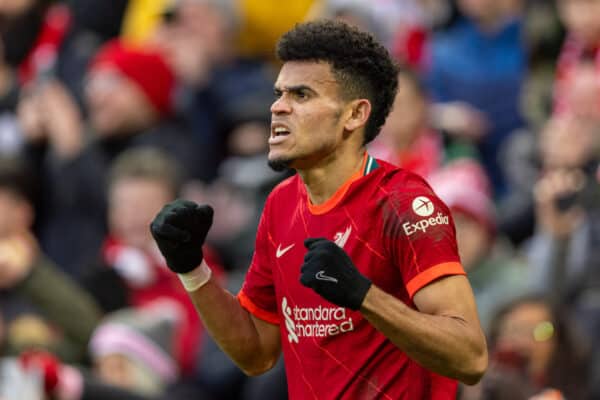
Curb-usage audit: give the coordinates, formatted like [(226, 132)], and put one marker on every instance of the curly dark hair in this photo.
[(361, 65)]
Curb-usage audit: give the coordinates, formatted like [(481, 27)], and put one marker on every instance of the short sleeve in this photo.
[(419, 234), (258, 292)]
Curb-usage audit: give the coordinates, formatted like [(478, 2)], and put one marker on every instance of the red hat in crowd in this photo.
[(145, 66), (465, 188)]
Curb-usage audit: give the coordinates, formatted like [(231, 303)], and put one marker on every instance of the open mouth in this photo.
[(280, 131)]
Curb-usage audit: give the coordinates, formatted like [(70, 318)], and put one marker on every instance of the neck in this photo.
[(495, 21), (323, 180)]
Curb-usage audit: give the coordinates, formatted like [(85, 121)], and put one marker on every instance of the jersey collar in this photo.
[(369, 164)]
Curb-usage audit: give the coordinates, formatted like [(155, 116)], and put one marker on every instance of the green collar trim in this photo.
[(370, 165)]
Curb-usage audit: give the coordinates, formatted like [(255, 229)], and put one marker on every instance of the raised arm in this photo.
[(253, 344), (180, 230)]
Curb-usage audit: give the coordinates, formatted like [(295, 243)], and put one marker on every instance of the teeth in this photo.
[(280, 130)]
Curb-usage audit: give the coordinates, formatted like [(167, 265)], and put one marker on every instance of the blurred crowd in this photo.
[(108, 113)]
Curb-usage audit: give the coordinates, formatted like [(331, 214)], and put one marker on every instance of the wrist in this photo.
[(196, 278)]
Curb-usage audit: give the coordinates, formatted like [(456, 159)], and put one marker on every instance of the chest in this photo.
[(357, 230)]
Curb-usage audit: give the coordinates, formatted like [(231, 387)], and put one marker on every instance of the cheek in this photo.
[(541, 353), (320, 129), (8, 219), (114, 370), (129, 218), (119, 222), (106, 116)]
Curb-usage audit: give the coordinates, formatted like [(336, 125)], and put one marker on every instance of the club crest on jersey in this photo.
[(422, 206), (340, 238)]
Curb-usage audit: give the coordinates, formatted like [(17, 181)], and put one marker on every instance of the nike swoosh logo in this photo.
[(281, 251), (322, 277)]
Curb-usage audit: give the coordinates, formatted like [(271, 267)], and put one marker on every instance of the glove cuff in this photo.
[(359, 295), (196, 278)]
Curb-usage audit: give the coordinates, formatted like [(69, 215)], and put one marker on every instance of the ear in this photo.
[(359, 112)]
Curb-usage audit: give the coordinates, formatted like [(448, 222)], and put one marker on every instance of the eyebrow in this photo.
[(294, 88)]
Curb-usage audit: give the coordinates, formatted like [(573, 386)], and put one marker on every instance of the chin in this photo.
[(280, 164)]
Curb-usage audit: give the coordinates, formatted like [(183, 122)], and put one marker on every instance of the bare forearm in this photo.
[(447, 345), (234, 329)]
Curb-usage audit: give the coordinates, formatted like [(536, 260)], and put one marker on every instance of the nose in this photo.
[(281, 106)]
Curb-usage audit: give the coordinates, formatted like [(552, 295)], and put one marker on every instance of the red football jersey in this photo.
[(399, 234)]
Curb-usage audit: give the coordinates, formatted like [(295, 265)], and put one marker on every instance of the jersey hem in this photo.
[(431, 274), (256, 310)]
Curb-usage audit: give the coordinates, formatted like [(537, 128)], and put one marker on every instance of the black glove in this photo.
[(329, 271), (180, 229)]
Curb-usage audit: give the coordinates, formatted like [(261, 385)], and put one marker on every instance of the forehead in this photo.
[(315, 74), (528, 312)]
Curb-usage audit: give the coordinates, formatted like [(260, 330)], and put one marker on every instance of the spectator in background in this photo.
[(564, 141), (132, 358), (133, 349), (407, 139), (45, 39), (129, 103), (544, 35), (197, 38), (403, 26), (476, 73), (563, 252), (494, 273), (92, 25), (582, 45), (535, 350), (32, 33), (42, 306), (26, 27), (582, 97), (417, 20), (140, 181)]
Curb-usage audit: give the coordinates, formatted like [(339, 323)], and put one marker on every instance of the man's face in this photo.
[(116, 105), (582, 18), (566, 143), (117, 370), (12, 8), (528, 330), (306, 117), (15, 214), (478, 9), (133, 203)]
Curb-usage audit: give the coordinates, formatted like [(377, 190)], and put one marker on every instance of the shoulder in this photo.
[(289, 184), (452, 35), (406, 196), (397, 181), (288, 189)]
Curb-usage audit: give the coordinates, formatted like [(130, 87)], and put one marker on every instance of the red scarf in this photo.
[(45, 50), (149, 280), (571, 55)]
